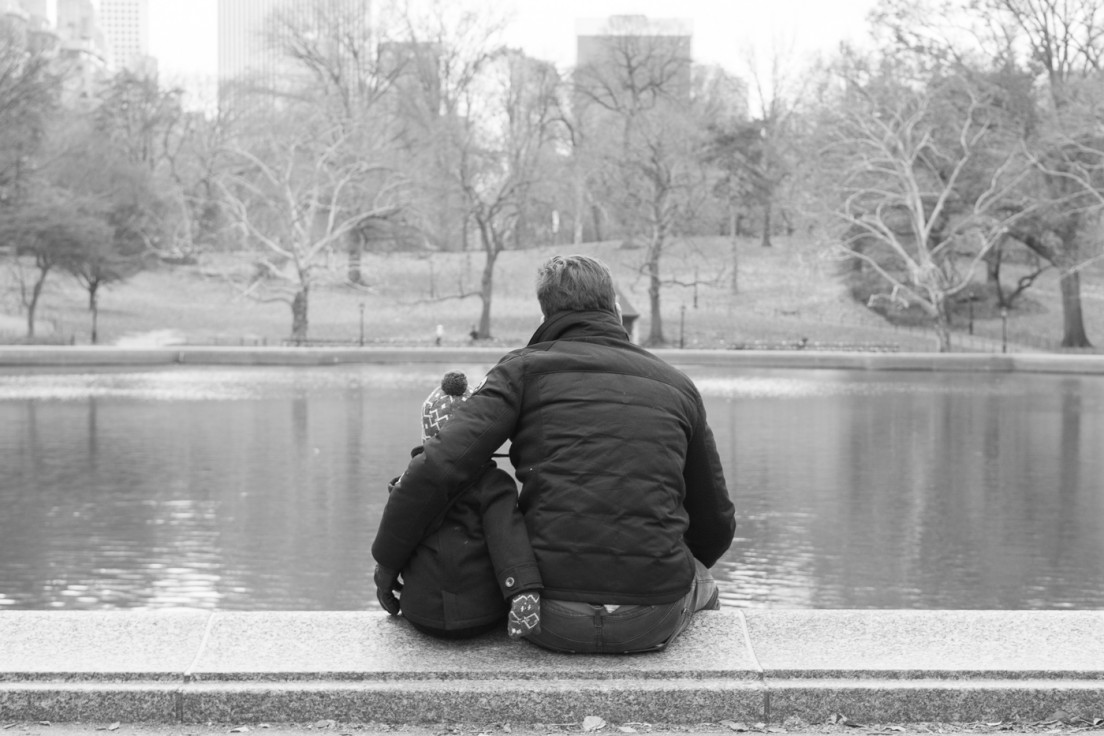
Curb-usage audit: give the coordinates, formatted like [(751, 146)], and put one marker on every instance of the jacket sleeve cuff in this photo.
[(519, 579)]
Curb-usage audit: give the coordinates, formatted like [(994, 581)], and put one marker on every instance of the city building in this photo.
[(249, 57), (14, 17), (77, 25), (28, 13), (621, 52), (83, 51), (628, 68), (27, 27), (125, 25), (241, 45), (412, 71)]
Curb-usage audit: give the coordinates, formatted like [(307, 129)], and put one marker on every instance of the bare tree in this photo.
[(53, 231), (724, 99), (766, 142), (637, 102), (197, 153), (445, 61), (116, 188), (29, 91), (297, 201), (1066, 40), (338, 62), (481, 131), (1061, 44), (503, 160), (925, 183), (140, 117), (335, 47)]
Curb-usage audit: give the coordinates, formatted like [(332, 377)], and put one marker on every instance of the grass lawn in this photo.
[(786, 294)]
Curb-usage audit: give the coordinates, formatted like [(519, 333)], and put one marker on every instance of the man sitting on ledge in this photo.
[(622, 489)]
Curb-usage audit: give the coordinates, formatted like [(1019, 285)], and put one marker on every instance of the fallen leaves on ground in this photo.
[(593, 723)]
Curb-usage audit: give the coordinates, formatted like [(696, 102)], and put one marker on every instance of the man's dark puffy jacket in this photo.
[(622, 485)]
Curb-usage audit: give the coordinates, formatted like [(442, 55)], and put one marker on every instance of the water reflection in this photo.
[(261, 488), (917, 492)]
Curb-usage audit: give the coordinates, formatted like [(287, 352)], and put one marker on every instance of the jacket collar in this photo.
[(573, 325)]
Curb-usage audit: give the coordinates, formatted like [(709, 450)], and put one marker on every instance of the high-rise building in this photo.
[(76, 24), (36, 9), (632, 73), (125, 25), (412, 69), (13, 24), (82, 52), (40, 37), (249, 53), (627, 51), (241, 44)]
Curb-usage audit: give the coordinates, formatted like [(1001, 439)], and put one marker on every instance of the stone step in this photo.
[(750, 666)]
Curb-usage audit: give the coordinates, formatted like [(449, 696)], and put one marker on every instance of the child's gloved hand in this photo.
[(387, 584), (524, 616)]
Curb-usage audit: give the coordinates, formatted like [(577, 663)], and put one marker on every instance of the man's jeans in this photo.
[(567, 626)]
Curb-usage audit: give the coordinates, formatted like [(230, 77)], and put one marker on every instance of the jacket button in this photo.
[(509, 582)]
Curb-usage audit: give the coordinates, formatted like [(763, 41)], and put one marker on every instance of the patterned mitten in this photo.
[(524, 615)]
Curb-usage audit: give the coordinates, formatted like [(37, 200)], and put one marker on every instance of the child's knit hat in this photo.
[(440, 404)]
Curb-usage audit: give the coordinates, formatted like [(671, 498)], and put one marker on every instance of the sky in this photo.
[(182, 32)]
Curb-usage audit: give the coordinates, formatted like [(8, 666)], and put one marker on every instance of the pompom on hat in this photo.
[(444, 399)]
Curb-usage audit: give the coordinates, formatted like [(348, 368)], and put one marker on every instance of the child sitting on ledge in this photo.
[(475, 566)]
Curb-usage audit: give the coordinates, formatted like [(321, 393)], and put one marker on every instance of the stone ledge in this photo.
[(920, 700), (756, 665), (47, 356), (474, 701)]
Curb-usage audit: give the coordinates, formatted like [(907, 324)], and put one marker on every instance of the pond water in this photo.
[(261, 488)]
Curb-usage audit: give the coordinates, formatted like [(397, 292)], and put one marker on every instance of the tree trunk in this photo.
[(32, 306), (580, 208), (492, 246), (1072, 321), (943, 333), (31, 317), (941, 319), (735, 253), (299, 316), (486, 294), (596, 214), (1069, 283), (94, 307), (993, 266), (655, 248), (768, 206)]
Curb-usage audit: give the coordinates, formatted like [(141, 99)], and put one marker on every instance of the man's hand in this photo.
[(387, 584)]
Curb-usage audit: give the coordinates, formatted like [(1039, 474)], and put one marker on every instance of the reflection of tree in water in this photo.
[(961, 492), (24, 515), (301, 538), (82, 533), (1067, 501), (967, 491)]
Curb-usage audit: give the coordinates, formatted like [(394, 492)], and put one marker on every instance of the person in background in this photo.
[(473, 567), (622, 489)]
